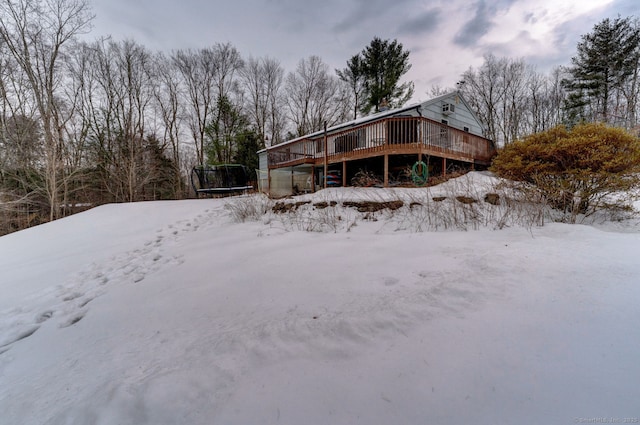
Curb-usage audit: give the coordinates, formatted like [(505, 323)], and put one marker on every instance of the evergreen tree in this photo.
[(381, 65), (161, 179), (222, 132), (606, 59), (248, 144)]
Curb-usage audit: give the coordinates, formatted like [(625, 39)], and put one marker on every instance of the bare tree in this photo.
[(36, 32), (262, 81), (512, 99), (482, 90), (545, 101), (82, 66), (228, 98), (514, 79), (126, 94), (170, 106), (276, 123), (116, 93), (315, 97), (227, 62), (197, 70), (133, 77), (354, 76), (207, 74), (20, 135), (437, 91)]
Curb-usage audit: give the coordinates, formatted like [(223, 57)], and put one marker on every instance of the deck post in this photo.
[(444, 166), (386, 170), (344, 173), (325, 156), (313, 179)]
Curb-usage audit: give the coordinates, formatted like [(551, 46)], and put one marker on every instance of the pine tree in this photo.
[(223, 130), (248, 144), (381, 65), (606, 58)]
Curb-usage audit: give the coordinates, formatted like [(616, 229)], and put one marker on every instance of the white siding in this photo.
[(461, 118), (262, 160), (263, 172)]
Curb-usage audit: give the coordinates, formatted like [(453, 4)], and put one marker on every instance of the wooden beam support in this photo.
[(386, 170), (326, 156), (344, 173)]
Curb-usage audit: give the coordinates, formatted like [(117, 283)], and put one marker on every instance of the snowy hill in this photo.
[(173, 313)]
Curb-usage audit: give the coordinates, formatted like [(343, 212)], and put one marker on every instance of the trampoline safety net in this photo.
[(220, 179)]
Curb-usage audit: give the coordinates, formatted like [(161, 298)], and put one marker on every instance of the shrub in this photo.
[(247, 208), (575, 170)]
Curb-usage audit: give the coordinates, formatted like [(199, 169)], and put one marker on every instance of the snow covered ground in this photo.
[(173, 313)]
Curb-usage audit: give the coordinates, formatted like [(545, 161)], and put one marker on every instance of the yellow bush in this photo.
[(574, 169)]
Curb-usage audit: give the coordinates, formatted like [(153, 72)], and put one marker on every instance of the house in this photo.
[(440, 134)]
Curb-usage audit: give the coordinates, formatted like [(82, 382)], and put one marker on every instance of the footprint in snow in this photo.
[(390, 281), (18, 336), (73, 319), (72, 296), (85, 302), (44, 316)]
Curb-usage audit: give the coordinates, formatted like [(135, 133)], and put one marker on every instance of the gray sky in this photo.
[(445, 37)]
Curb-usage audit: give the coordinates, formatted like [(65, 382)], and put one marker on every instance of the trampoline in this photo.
[(223, 179)]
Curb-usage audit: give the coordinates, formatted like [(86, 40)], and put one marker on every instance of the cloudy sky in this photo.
[(445, 37)]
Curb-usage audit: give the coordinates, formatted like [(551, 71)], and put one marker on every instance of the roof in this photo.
[(377, 116)]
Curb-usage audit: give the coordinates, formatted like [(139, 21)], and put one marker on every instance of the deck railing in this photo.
[(391, 135)]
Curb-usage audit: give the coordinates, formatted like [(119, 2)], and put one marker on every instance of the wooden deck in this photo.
[(391, 136)]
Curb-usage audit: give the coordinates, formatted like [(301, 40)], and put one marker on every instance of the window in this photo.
[(448, 108)]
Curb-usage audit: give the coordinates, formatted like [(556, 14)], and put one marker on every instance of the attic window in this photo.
[(445, 122), (466, 129), (448, 108)]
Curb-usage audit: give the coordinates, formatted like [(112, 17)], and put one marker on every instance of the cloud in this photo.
[(372, 13), (422, 24), (626, 8), (476, 27), (445, 37), (522, 45)]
